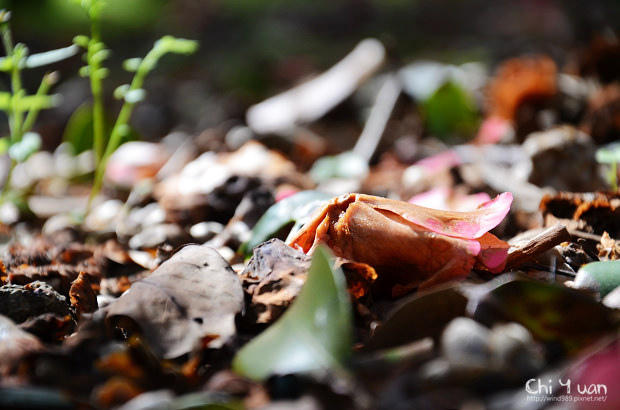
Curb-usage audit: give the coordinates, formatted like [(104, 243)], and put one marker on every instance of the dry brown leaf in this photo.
[(192, 295)]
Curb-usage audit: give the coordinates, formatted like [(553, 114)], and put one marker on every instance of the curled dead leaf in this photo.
[(409, 245), (82, 295)]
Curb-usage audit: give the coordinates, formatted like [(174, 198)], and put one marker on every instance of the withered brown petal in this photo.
[(401, 251)]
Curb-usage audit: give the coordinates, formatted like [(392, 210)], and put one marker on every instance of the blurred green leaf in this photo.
[(345, 165), (120, 91), (6, 64), (4, 145), (27, 102), (605, 275), (608, 154), (314, 334), (29, 144), (295, 208), (135, 96), (554, 314), (132, 64), (79, 128), (81, 40), (450, 112), (52, 56)]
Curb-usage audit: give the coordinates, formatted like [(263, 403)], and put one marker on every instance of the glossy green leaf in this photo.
[(295, 208), (601, 276), (314, 334)]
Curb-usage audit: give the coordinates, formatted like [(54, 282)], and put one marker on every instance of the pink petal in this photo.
[(439, 162), (492, 130), (467, 225), (446, 199), (493, 253)]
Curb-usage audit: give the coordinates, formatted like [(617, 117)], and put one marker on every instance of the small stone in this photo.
[(514, 349), (563, 159), (134, 161), (465, 342), (204, 231), (139, 218), (103, 217), (157, 235)]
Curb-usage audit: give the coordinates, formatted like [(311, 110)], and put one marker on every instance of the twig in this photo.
[(378, 118), (585, 235), (540, 243)]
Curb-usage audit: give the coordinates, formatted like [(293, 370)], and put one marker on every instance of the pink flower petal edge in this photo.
[(467, 225)]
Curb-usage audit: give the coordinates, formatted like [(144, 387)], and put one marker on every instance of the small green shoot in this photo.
[(130, 94), (610, 154), (22, 109), (315, 333)]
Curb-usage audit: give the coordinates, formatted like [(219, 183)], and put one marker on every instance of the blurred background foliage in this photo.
[(251, 49)]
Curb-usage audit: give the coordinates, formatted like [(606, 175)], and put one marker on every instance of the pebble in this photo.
[(156, 235), (103, 217)]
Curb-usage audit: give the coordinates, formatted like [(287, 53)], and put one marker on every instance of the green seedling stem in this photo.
[(15, 114), (167, 44)]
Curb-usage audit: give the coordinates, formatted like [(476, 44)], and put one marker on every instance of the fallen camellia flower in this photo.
[(409, 245)]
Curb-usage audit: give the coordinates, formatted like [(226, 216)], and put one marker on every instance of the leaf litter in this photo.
[(399, 293)]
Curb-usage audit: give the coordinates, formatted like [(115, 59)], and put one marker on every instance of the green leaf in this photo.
[(135, 96), (601, 276), (5, 16), (170, 44), (81, 41), (50, 57), (84, 71), (132, 64), (314, 334), (100, 55), (120, 91), (345, 165), (35, 102), (4, 145), (5, 101), (30, 143), (450, 111), (608, 154), (564, 317), (79, 129), (295, 208), (6, 64)]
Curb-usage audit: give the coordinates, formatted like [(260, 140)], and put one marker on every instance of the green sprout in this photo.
[(130, 94), (610, 154), (22, 109)]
